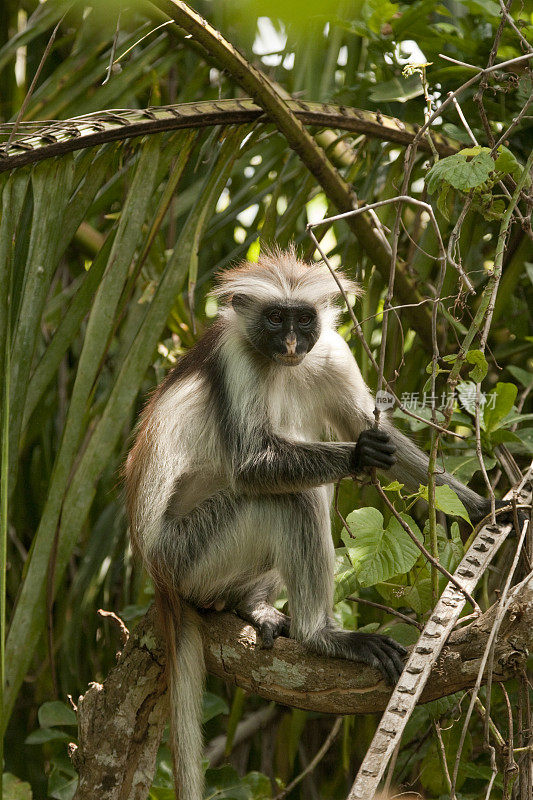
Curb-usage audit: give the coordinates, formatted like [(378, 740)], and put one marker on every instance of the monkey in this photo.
[(228, 481)]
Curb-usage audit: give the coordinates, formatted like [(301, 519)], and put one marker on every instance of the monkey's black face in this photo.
[(285, 333)]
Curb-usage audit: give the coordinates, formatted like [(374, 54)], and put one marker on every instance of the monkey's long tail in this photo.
[(185, 675)]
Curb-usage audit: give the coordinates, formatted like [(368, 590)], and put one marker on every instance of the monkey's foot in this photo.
[(270, 622), (377, 651)]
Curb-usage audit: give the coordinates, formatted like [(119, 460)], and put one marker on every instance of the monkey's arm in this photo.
[(353, 412), (279, 465)]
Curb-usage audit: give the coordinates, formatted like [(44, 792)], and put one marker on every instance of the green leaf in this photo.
[(54, 713), (465, 170), (522, 375), (446, 500), (463, 467), (398, 89), (62, 785), (501, 435), (444, 705), (393, 486), (417, 596), (499, 403), (477, 357), (451, 550), (378, 553), (212, 706), (30, 609), (225, 784), (42, 735), (443, 203), (259, 785), (506, 162), (345, 585), (15, 789)]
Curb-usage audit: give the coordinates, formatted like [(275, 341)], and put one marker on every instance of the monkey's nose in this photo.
[(290, 343)]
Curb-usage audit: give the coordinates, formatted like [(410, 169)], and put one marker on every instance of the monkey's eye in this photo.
[(275, 318), (305, 319)]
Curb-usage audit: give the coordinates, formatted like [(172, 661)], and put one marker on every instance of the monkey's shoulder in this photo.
[(197, 359)]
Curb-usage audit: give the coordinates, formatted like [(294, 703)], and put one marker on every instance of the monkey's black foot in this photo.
[(377, 651), (270, 622)]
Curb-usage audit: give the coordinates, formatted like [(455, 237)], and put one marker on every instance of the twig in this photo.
[(124, 632), (387, 610), (113, 50), (510, 21), (510, 773), (442, 755), (368, 351), (319, 755), (30, 91)]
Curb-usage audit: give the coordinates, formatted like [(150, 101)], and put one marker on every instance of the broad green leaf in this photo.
[(465, 170), (345, 585), (501, 435), (463, 467), (417, 596), (446, 500), (444, 705), (526, 439), (507, 162), (54, 713), (431, 773), (450, 550), (42, 735), (499, 403), (378, 553), (212, 706)]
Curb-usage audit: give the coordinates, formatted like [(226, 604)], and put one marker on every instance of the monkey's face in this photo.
[(285, 333)]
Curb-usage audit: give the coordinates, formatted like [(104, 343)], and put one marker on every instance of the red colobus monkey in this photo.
[(228, 481)]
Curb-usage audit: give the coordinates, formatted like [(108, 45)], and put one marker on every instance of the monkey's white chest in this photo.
[(294, 406)]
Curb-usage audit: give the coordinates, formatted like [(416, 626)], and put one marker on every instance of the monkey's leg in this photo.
[(256, 607), (305, 558)]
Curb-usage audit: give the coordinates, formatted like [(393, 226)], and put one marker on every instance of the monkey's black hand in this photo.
[(377, 651), (373, 449)]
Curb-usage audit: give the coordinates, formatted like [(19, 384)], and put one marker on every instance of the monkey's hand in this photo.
[(377, 651), (374, 448)]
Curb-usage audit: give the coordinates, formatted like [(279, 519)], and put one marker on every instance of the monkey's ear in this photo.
[(241, 302)]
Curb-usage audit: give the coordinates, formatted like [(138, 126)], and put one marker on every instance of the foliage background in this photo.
[(128, 237)]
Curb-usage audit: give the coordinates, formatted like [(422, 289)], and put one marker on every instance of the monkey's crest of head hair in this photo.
[(281, 275)]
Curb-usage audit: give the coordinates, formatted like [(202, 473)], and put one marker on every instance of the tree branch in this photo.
[(121, 720)]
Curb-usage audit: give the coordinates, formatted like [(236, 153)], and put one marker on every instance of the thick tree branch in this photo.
[(121, 721)]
